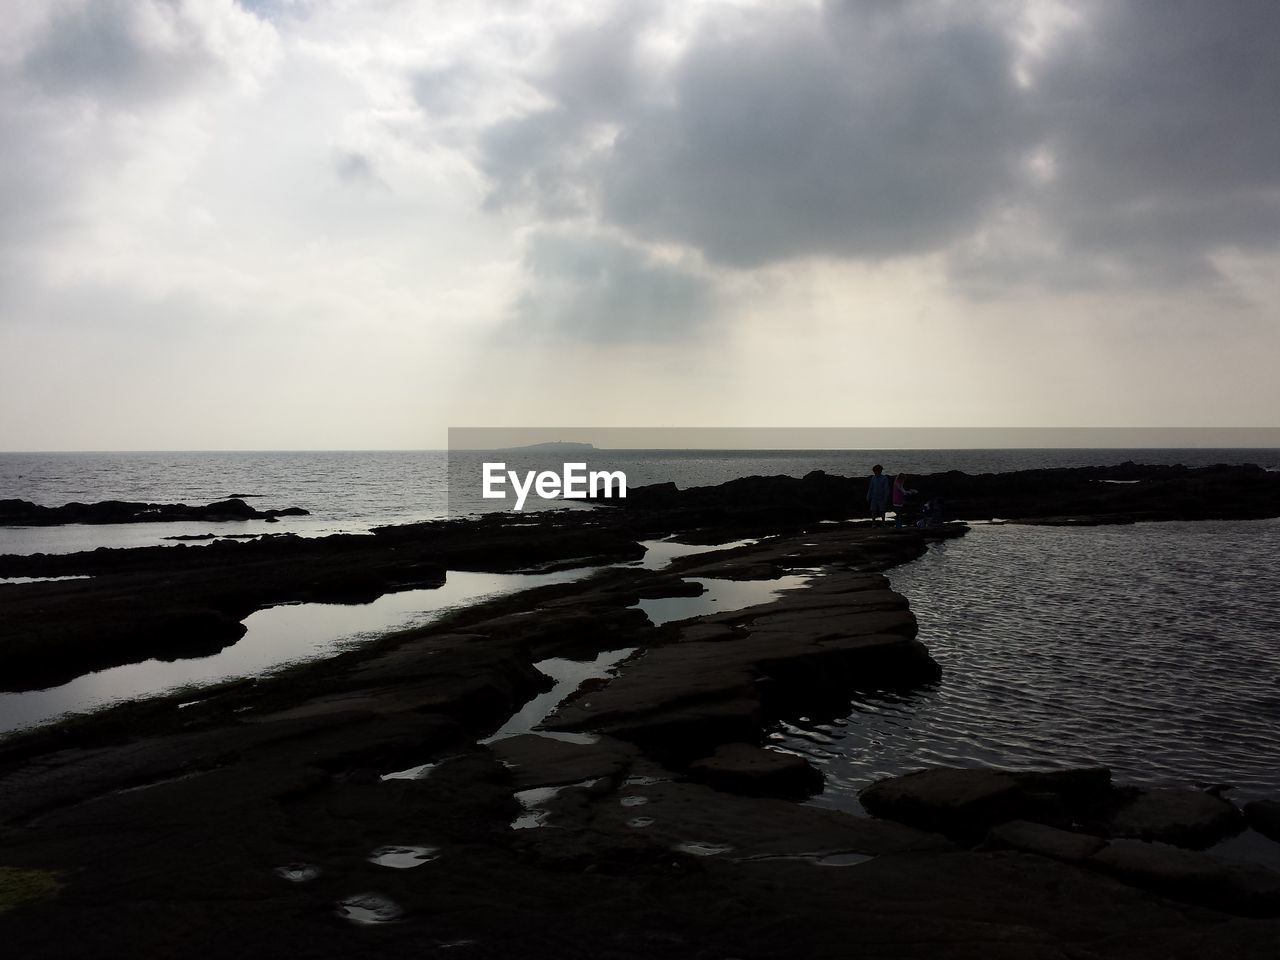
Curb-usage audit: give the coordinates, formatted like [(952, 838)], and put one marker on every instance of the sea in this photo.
[(1153, 648)]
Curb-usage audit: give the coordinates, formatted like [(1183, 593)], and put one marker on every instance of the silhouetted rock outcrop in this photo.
[(966, 803), (1076, 496), (24, 513), (745, 768), (1264, 816)]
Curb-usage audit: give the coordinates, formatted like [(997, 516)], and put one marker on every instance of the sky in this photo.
[(314, 224)]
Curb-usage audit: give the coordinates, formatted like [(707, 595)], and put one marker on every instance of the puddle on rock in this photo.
[(842, 859), (297, 872), (718, 596), (839, 859), (659, 553), (700, 849), (275, 637), (530, 820), (585, 739), (83, 576), (568, 676), (403, 857), (369, 908), (420, 772), (533, 799), (639, 823), (633, 800)]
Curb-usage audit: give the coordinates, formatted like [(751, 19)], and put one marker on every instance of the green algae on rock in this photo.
[(19, 886)]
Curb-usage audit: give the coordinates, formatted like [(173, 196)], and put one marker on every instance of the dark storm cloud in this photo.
[(1160, 119), (550, 159), (586, 287), (543, 160), (597, 71), (869, 130), (802, 139), (1167, 98), (782, 135)]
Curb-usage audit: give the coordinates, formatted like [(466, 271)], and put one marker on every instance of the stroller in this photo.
[(931, 514)]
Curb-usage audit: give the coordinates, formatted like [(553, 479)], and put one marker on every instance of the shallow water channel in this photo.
[(290, 633), (276, 637)]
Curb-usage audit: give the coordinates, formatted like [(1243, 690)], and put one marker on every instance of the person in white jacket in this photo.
[(878, 494)]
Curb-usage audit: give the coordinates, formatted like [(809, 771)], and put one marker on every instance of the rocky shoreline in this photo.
[(27, 514), (649, 821)]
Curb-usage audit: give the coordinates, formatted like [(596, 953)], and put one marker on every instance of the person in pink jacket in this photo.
[(900, 494)]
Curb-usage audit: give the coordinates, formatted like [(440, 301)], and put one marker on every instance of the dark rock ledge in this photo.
[(1073, 496), (1080, 817), (24, 513)]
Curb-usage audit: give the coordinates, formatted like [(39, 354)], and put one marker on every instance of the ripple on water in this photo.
[(1150, 649)]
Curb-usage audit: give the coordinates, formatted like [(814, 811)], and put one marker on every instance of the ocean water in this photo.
[(1153, 649), (344, 491), (353, 491)]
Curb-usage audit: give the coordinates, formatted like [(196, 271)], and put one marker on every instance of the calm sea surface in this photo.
[(1153, 649)]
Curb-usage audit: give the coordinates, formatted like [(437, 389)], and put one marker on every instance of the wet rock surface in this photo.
[(1239, 888), (1044, 841), (1264, 816), (746, 768), (966, 803), (1080, 817), (1184, 818)]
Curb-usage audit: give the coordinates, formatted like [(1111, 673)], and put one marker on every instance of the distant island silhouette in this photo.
[(556, 445)]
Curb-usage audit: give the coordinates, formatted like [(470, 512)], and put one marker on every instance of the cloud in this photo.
[(583, 286), (1124, 145), (98, 97), (778, 135), (754, 138), (444, 91), (356, 169), (137, 51), (1161, 151)]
